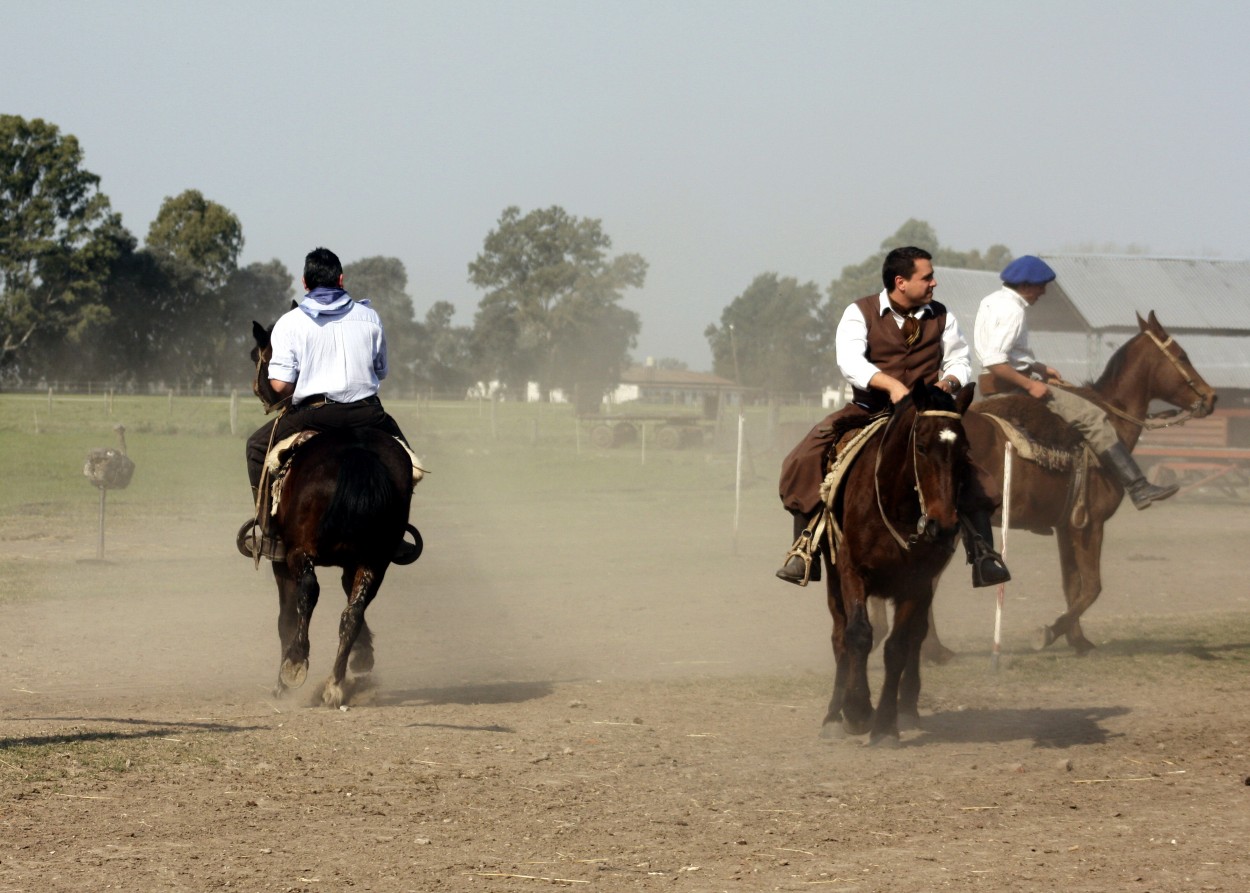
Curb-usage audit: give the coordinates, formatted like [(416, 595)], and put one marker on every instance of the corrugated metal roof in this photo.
[(1079, 342), (1185, 293)]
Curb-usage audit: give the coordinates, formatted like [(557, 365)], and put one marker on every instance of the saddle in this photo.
[(1040, 436), (255, 540), (278, 463), (849, 436)]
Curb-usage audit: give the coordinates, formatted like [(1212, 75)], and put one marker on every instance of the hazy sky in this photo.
[(719, 140)]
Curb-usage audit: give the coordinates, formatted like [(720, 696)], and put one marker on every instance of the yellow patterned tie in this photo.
[(911, 330)]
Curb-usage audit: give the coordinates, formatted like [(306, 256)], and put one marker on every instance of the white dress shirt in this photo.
[(343, 357), (851, 344), (1000, 333)]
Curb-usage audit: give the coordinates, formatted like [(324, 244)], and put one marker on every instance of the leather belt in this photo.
[(315, 400)]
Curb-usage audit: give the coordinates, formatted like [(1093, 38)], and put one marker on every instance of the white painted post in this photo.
[(738, 477), (1002, 587)]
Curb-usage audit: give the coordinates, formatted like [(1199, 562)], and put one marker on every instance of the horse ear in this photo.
[(1154, 321), (294, 304), (260, 333), (963, 399), (1141, 323)]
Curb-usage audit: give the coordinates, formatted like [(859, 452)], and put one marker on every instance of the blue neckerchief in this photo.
[(327, 303)]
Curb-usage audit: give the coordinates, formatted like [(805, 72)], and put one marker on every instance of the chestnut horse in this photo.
[(344, 502), (1149, 366), (896, 511)]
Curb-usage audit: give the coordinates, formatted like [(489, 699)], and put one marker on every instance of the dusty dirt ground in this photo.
[(623, 706)]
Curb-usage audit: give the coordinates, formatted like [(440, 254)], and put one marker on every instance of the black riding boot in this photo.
[(988, 568), (795, 569), (1119, 461)]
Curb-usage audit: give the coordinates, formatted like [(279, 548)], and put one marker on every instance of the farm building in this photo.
[(676, 387), (1091, 309)]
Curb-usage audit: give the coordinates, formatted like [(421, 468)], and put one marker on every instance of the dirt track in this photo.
[(627, 710)]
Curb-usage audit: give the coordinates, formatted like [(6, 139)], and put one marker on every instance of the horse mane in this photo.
[(1115, 365)]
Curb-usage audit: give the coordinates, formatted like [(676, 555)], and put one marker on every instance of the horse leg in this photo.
[(365, 583), (304, 593), (853, 665), (288, 616), (362, 652), (879, 618), (831, 726), (909, 685), (902, 647), (931, 649), (1080, 555)]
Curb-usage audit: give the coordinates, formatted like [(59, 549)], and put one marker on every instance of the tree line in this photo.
[(82, 300)]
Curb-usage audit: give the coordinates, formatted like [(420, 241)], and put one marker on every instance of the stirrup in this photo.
[(252, 542), (988, 567), (802, 550)]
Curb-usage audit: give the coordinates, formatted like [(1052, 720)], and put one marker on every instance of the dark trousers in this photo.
[(326, 417)]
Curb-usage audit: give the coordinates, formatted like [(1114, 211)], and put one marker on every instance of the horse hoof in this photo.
[(833, 731), (856, 728), (937, 656), (908, 723), (332, 695), (885, 741), (1046, 638), (293, 674)]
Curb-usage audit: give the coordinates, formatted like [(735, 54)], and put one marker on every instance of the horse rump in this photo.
[(368, 510)]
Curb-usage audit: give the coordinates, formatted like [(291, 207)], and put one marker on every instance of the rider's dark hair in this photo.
[(901, 262), (322, 269)]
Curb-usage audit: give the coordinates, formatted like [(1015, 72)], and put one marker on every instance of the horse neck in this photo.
[(264, 390), (1128, 389), (897, 473)]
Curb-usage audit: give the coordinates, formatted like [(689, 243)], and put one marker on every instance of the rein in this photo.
[(263, 364), (906, 544), (1154, 422)]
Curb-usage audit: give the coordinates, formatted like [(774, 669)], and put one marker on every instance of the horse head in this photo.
[(1172, 375), (935, 454), (261, 354)]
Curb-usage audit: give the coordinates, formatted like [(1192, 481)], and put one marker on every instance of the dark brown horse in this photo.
[(896, 512), (1149, 366), (344, 502)]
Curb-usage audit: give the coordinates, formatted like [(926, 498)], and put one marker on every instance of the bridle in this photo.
[(262, 362), (923, 523), (1170, 417)]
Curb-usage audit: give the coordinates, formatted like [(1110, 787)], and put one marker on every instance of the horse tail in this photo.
[(364, 507)]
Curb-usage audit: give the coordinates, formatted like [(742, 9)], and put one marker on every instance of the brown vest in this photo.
[(922, 361)]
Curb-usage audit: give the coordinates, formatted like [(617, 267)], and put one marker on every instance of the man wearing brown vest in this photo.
[(886, 343)]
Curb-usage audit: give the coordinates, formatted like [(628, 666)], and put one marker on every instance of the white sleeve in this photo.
[(996, 331), (850, 344), (955, 352)]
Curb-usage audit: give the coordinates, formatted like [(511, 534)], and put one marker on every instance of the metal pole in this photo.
[(738, 476), (99, 552), (1002, 587)]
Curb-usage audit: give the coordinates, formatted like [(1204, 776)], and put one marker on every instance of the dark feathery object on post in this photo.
[(108, 468)]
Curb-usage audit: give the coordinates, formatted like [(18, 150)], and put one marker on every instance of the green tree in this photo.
[(551, 311), (383, 281), (445, 358), (195, 244), (196, 239), (768, 337), (58, 236)]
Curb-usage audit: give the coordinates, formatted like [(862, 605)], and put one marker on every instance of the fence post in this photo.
[(234, 411)]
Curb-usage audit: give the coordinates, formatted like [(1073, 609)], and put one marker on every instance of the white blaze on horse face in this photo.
[(946, 435)]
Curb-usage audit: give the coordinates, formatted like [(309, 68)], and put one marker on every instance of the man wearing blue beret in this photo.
[(1001, 339)]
